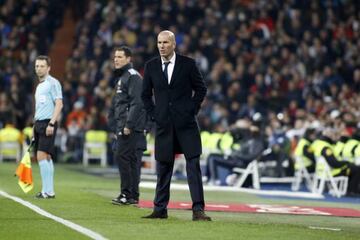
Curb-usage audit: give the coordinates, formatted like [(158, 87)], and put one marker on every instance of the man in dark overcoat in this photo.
[(178, 89)]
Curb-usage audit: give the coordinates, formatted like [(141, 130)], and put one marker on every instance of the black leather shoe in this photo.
[(200, 216), (157, 214)]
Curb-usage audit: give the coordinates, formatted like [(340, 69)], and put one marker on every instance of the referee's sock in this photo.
[(50, 190), (44, 172)]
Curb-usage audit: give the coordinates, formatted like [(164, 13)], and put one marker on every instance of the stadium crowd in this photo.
[(285, 65)]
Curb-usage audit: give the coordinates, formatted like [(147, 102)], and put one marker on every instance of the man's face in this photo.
[(41, 68), (166, 45), (120, 59)]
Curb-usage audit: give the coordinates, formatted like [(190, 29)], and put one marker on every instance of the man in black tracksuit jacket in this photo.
[(127, 119)]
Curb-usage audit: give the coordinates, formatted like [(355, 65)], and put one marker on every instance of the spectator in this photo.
[(251, 146)]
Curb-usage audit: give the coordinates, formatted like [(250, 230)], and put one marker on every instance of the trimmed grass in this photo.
[(85, 200)]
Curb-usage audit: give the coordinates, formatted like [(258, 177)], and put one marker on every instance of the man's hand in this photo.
[(49, 130), (127, 131)]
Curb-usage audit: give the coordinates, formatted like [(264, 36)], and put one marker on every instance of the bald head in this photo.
[(166, 44), (168, 34)]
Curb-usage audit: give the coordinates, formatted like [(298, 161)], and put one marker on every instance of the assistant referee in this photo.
[(48, 105)]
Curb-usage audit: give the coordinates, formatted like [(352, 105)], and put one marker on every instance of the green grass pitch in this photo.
[(85, 200)]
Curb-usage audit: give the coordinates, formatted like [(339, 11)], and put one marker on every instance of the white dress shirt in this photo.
[(170, 68)]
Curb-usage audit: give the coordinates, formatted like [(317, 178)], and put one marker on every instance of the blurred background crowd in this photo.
[(283, 65)]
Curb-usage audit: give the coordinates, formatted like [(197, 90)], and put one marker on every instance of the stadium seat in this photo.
[(10, 150), (253, 169), (301, 173), (337, 185), (95, 147), (10, 147)]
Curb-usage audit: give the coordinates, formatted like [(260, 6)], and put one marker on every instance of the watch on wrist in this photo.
[(51, 124)]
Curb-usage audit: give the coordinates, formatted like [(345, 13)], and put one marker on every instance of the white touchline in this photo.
[(178, 186), (325, 228), (67, 223)]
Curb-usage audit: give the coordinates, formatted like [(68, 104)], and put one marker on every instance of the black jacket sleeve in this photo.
[(331, 159), (148, 124), (135, 103)]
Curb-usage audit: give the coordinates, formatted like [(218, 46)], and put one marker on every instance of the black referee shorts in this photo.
[(42, 142)]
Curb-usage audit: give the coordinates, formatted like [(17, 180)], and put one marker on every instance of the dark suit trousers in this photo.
[(164, 174), (129, 164), (140, 148), (135, 189)]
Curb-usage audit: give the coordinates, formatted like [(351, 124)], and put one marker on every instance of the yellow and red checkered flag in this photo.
[(24, 173)]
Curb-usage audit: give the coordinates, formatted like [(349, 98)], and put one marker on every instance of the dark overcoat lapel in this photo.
[(177, 68)]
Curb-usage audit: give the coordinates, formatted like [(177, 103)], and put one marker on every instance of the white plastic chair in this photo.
[(10, 150), (95, 147), (301, 174), (251, 169), (337, 185)]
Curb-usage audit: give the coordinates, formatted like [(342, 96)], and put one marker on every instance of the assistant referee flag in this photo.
[(24, 173)]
